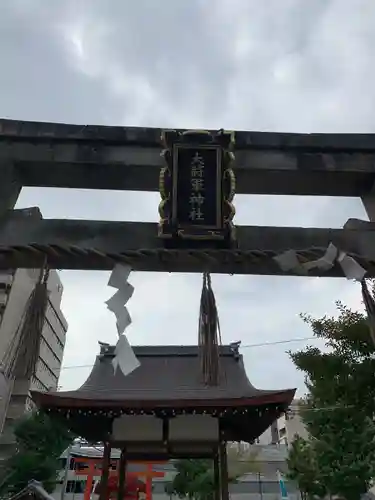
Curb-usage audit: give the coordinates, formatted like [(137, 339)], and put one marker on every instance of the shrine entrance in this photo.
[(164, 410), (163, 402), (138, 477)]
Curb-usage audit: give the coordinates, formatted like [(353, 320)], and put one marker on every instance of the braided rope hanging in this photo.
[(28, 353), (209, 334), (22, 353)]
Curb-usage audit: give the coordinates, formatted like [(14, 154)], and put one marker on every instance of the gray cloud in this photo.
[(284, 66)]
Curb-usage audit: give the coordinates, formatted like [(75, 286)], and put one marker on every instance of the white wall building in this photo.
[(284, 430), (15, 289), (293, 423)]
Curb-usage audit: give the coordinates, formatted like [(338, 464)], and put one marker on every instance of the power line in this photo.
[(299, 411), (276, 342), (246, 346)]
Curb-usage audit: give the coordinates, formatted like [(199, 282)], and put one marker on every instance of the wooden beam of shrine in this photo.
[(128, 158), (78, 244)]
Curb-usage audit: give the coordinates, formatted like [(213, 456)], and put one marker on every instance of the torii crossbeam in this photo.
[(121, 158), (128, 158)]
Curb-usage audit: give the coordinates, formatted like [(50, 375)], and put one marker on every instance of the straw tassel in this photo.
[(209, 334), (31, 328)]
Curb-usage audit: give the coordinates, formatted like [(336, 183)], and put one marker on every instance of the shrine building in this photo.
[(163, 410)]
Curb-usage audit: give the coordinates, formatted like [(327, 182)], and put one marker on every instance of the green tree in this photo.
[(40, 440), (339, 408), (303, 469), (194, 479)]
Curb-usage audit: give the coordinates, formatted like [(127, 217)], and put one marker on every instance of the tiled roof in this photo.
[(170, 374), (168, 379)]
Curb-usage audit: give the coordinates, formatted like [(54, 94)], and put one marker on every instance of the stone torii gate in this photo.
[(126, 158)]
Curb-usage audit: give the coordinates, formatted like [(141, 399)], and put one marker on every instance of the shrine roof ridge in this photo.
[(150, 137), (231, 350)]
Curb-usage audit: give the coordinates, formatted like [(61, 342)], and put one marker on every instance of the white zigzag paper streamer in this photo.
[(124, 358), (117, 303), (288, 261)]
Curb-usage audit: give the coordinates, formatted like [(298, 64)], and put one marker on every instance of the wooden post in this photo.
[(216, 476), (105, 471), (10, 187), (89, 481), (149, 481), (121, 475), (223, 463)]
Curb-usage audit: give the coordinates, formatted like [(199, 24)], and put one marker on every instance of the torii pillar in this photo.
[(368, 202), (10, 187)]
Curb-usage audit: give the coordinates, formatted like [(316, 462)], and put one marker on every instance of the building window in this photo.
[(38, 384), (57, 317), (47, 324), (75, 487), (49, 348), (43, 366), (80, 466)]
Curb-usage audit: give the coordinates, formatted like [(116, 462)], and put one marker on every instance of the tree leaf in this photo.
[(339, 456)]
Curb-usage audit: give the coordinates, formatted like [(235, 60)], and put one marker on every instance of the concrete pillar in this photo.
[(275, 437), (10, 187)]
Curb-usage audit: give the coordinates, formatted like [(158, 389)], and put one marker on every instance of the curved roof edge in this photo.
[(70, 400)]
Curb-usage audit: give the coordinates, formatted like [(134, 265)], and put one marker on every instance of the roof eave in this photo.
[(67, 401)]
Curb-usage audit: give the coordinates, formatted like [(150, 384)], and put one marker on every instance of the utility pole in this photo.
[(66, 471)]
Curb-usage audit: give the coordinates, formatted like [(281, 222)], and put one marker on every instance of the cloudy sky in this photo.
[(291, 65)]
